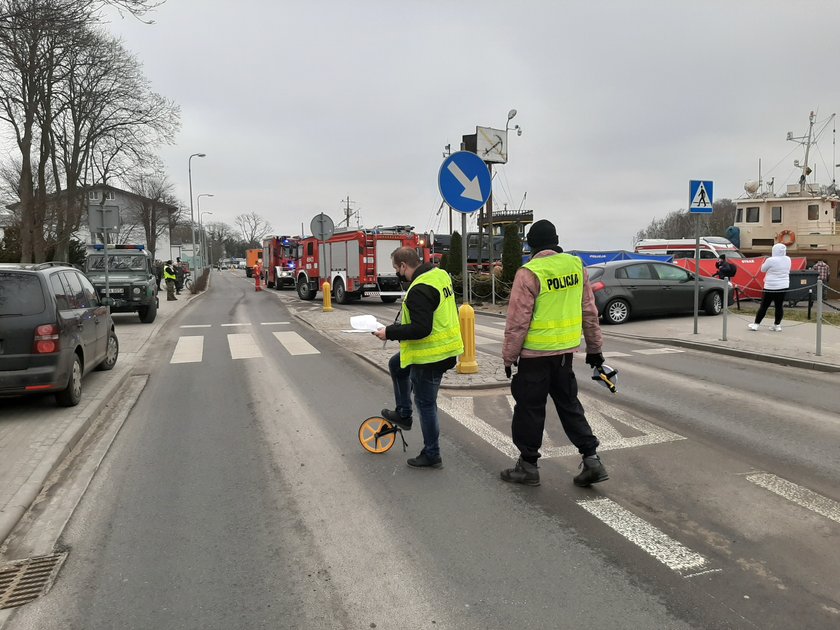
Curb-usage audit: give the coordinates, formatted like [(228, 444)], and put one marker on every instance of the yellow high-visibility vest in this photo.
[(445, 338), (168, 274), (557, 321)]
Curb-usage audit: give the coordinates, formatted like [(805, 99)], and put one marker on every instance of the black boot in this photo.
[(424, 461), (593, 472), (523, 472), (393, 417)]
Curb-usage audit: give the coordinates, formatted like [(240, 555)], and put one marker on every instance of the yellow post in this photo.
[(327, 297), (467, 364)]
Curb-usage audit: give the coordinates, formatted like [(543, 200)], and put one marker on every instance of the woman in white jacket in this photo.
[(776, 282)]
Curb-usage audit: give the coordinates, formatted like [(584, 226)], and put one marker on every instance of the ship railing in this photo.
[(828, 227)]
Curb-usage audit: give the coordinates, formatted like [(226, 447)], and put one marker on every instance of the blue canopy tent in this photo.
[(593, 258)]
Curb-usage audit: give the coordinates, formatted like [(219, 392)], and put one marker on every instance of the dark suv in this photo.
[(132, 285), (53, 331)]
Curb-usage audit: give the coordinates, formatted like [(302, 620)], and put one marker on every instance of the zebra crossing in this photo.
[(241, 345)]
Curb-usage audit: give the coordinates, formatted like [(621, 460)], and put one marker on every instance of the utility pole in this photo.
[(347, 211)]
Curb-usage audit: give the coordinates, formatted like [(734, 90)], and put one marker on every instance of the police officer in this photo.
[(551, 303), (430, 339), (169, 277)]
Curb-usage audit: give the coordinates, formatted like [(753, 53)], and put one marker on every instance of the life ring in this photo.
[(786, 237)]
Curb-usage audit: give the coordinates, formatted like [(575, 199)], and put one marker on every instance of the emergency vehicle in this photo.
[(710, 247), (356, 263), (279, 261)]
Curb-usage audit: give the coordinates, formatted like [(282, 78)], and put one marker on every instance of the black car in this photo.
[(638, 287), (53, 331)]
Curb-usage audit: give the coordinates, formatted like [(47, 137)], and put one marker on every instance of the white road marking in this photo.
[(243, 346), (189, 349), (658, 351), (803, 497), (229, 325), (489, 329), (196, 326), (295, 344), (612, 355), (599, 414), (655, 542), (479, 340), (272, 323)]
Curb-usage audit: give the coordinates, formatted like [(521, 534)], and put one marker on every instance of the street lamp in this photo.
[(518, 129), (192, 217), (201, 230)]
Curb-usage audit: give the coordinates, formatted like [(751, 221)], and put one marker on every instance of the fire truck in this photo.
[(356, 263), (279, 261)]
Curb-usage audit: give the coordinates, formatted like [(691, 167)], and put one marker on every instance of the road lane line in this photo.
[(658, 351), (479, 340), (272, 323), (189, 349), (228, 325), (490, 330), (295, 344), (462, 409), (243, 346), (655, 542), (612, 355), (794, 493), (196, 325)]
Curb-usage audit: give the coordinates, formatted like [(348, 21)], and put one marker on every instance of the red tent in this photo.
[(748, 278)]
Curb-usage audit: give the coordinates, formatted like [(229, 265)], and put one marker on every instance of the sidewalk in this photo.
[(36, 435)]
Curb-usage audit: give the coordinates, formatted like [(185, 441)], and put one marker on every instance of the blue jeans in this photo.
[(425, 382)]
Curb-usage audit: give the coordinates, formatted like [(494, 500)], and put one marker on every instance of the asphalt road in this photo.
[(237, 496)]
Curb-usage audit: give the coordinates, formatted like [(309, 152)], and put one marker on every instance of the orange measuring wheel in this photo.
[(787, 237), (377, 435)]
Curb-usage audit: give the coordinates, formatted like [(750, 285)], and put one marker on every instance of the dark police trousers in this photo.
[(537, 379)]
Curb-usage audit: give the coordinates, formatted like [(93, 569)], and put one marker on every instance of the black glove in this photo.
[(509, 370), (595, 359)]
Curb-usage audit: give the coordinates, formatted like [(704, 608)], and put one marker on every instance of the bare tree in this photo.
[(253, 227), (154, 208), (682, 224)]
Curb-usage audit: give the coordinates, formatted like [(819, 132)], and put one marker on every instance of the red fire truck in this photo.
[(356, 263), (279, 261)]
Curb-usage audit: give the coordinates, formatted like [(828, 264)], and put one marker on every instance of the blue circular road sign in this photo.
[(464, 181)]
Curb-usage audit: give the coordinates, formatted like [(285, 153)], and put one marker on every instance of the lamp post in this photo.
[(200, 229), (192, 217), (203, 234)]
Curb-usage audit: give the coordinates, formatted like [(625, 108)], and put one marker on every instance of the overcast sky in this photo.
[(299, 104)]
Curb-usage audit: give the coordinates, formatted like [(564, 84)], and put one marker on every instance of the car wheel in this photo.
[(303, 290), (713, 304), (616, 312), (340, 292), (72, 394), (111, 353), (388, 299), (148, 313)]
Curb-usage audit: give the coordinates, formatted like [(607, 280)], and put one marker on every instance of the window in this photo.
[(109, 195), (90, 292), (813, 212), (309, 249), (705, 253), (60, 292), (20, 294), (76, 295), (92, 194), (776, 214), (739, 215), (752, 215), (634, 272), (671, 273)]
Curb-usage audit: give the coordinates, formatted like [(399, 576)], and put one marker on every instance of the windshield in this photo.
[(117, 262), (20, 294)]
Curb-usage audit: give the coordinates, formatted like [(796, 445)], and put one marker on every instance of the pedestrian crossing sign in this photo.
[(700, 196)]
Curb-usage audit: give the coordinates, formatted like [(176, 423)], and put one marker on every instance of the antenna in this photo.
[(348, 212), (523, 201)]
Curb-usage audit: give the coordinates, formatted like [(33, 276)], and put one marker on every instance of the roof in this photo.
[(107, 188)]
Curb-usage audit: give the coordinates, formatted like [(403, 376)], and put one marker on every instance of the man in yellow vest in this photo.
[(430, 339), (551, 304), (169, 277)]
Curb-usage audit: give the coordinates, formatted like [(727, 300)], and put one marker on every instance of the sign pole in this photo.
[(700, 201), (464, 282), (696, 270)]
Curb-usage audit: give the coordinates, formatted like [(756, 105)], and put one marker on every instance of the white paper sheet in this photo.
[(365, 323)]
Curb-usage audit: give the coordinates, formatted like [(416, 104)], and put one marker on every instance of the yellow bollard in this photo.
[(467, 364), (327, 298)]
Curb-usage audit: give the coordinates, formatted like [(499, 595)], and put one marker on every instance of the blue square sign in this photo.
[(700, 196)]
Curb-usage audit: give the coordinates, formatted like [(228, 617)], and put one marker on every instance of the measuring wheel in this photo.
[(377, 435)]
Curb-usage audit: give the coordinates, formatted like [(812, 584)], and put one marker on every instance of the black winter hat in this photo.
[(542, 235)]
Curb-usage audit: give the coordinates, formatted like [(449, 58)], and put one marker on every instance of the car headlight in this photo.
[(136, 291)]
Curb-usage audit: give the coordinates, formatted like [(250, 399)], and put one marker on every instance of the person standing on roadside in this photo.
[(179, 275), (823, 272), (551, 304), (169, 277), (430, 339), (776, 282)]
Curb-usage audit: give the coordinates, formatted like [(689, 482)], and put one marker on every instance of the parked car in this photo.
[(53, 331), (625, 288)]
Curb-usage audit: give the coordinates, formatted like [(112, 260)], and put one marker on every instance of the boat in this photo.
[(803, 215)]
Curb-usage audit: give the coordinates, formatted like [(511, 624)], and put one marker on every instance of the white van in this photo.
[(710, 247)]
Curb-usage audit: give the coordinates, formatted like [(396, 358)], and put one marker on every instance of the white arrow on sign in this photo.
[(472, 189)]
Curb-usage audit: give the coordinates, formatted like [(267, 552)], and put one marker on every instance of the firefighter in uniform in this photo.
[(430, 340), (551, 303), (258, 269), (169, 277)]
